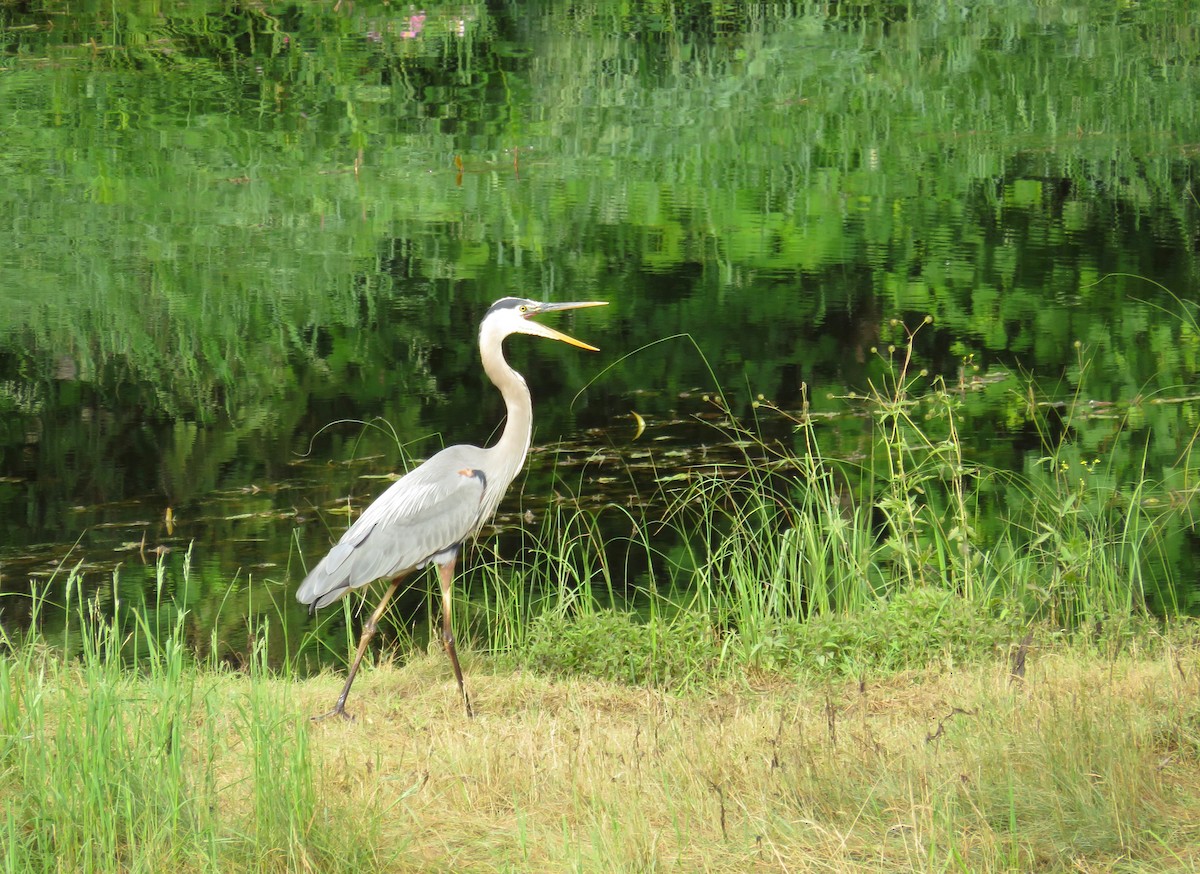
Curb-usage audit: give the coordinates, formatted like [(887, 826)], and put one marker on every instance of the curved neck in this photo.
[(514, 441)]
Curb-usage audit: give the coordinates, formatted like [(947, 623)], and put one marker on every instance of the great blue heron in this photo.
[(424, 517)]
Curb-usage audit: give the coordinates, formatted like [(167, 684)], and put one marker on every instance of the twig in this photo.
[(721, 798), (1018, 659), (941, 728)]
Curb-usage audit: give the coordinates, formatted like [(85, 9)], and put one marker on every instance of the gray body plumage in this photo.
[(424, 516)]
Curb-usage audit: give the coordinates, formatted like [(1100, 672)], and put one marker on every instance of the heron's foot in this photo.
[(336, 711)]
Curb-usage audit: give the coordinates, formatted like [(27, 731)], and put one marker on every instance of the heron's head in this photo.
[(512, 315)]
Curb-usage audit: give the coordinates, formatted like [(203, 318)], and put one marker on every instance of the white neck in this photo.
[(513, 445)]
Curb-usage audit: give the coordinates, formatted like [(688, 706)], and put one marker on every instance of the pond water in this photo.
[(244, 251)]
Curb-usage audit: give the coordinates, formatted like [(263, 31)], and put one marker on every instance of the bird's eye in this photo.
[(522, 308)]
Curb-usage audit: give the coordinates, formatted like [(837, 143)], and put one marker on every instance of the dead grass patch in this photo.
[(1088, 763), (1084, 764)]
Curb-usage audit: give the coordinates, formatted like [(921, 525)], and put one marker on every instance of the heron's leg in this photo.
[(367, 633), (446, 574)]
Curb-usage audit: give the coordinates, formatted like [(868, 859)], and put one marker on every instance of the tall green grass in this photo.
[(134, 755), (788, 558), (796, 560)]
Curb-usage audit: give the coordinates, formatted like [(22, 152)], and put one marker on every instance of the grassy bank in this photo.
[(779, 662), (1090, 762)]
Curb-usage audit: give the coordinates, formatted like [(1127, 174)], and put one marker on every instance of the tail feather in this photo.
[(324, 584), (346, 567)]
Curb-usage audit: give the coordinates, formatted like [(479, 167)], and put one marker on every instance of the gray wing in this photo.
[(429, 510)]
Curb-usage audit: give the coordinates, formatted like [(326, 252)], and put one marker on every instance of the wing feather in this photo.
[(430, 510)]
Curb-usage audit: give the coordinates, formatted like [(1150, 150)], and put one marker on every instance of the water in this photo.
[(229, 237)]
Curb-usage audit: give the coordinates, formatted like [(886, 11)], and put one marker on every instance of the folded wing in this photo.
[(429, 511)]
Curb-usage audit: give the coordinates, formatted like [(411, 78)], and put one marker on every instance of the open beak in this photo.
[(545, 331)]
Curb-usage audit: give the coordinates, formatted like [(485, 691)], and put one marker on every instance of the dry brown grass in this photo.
[(1086, 764)]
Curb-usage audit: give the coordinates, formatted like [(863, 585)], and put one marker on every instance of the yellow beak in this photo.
[(548, 332)]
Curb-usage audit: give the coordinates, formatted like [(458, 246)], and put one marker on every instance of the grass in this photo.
[(1090, 762), (909, 663), (960, 770), (166, 765)]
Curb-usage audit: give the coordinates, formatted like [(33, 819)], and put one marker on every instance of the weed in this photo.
[(619, 647)]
